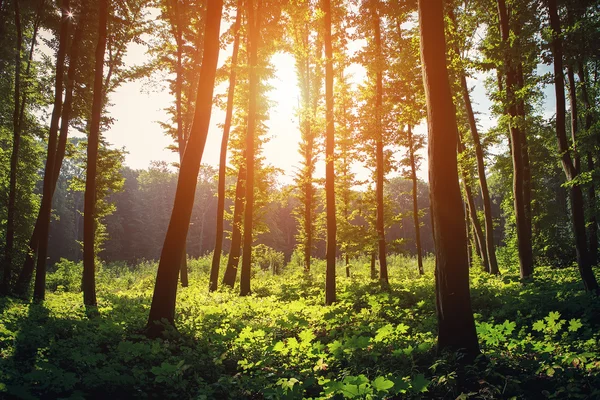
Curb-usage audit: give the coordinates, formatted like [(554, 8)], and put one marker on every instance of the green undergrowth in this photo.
[(538, 340)]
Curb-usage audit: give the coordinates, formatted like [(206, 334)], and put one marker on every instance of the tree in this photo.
[(253, 44), (46, 207), (216, 260), (490, 251), (330, 294), (570, 163), (518, 146), (14, 159), (456, 326), (165, 289)]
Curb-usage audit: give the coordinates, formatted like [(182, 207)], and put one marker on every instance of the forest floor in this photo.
[(538, 340)]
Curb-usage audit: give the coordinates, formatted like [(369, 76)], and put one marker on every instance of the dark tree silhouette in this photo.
[(165, 289), (455, 317)]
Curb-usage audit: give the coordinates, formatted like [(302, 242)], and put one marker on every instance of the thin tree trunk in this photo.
[(46, 206), (468, 232), (373, 268), (330, 292), (590, 162), (236, 228), (253, 81), (165, 290), (413, 177), (28, 267), (485, 194), (516, 140), (570, 165), (381, 245), (347, 266), (14, 160), (216, 260), (455, 317), (89, 204)]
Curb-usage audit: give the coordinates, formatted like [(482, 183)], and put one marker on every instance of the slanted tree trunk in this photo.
[(330, 293), (479, 238), (14, 160), (39, 290), (236, 228), (413, 177), (173, 13), (485, 194), (165, 289), (455, 317), (517, 148), (570, 165), (89, 203), (253, 80), (29, 265), (216, 260)]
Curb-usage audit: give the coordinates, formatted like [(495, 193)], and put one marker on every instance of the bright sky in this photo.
[(136, 113)]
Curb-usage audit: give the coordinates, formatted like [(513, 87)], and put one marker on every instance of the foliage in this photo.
[(282, 343)]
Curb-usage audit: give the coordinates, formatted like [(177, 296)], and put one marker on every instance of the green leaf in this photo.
[(382, 384), (539, 326), (419, 383), (574, 325)]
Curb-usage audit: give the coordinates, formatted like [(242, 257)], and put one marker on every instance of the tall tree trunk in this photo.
[(468, 233), (455, 317), (413, 177), (46, 206), (89, 203), (253, 80), (380, 164), (570, 165), (173, 11), (479, 238), (216, 259), (165, 289), (28, 267), (14, 160), (516, 140), (485, 194), (590, 162), (347, 266), (236, 228), (330, 292)]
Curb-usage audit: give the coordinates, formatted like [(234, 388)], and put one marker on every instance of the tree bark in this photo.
[(570, 165), (485, 194), (330, 292), (479, 238), (216, 259), (413, 177), (165, 290), (455, 317), (46, 206), (89, 203), (516, 141), (380, 223), (253, 81), (373, 268), (29, 265), (236, 228), (14, 160), (590, 162)]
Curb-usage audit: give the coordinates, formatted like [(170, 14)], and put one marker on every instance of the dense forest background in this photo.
[(356, 278)]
